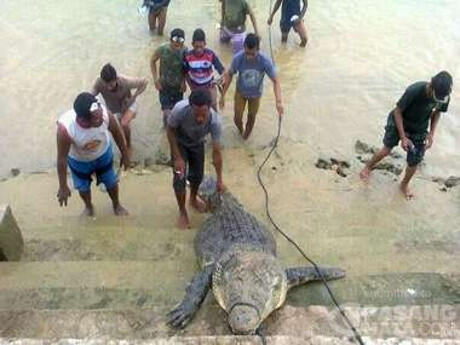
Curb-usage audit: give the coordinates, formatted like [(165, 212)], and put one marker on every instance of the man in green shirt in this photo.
[(419, 107), (233, 22), (171, 82)]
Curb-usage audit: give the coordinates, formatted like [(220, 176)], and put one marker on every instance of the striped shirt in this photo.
[(200, 68)]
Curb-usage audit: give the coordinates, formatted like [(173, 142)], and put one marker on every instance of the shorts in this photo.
[(292, 10), (194, 167), (132, 108), (286, 25), (235, 38), (157, 11), (414, 156), (253, 103), (102, 167), (169, 97)]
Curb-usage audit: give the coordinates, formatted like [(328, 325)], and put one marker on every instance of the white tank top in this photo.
[(88, 144)]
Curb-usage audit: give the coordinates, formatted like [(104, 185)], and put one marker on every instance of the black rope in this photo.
[(261, 333), (267, 210)]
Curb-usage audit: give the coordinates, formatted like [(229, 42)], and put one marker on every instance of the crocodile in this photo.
[(237, 256)]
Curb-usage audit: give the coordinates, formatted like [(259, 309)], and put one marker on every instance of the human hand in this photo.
[(128, 102), (280, 108), (428, 141), (63, 194), (407, 144), (270, 20), (220, 186), (125, 161), (221, 103), (158, 85), (179, 167), (183, 87)]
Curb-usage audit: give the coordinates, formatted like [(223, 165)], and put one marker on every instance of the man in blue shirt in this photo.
[(251, 66)]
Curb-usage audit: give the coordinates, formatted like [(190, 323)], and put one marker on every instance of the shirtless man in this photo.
[(116, 91)]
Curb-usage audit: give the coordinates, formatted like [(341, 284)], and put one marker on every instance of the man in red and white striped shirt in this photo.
[(199, 65)]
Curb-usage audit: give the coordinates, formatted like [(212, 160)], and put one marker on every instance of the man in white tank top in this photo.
[(84, 144)]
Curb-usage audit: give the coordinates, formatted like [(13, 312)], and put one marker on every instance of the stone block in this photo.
[(11, 241)]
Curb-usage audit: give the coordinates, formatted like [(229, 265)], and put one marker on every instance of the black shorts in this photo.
[(169, 98), (415, 156), (292, 9), (286, 25), (194, 167)]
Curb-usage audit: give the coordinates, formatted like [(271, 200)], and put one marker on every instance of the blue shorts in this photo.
[(102, 167)]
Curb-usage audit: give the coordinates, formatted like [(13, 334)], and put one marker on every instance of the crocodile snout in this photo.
[(244, 319)]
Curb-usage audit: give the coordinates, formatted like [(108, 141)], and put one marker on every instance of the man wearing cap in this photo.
[(171, 81), (419, 107), (83, 143), (189, 123), (291, 17), (233, 22), (116, 91)]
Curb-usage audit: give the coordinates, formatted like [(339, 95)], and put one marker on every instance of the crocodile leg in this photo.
[(301, 275), (195, 293)]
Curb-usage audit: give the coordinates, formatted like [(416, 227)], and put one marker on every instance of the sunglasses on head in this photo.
[(178, 39), (94, 106)]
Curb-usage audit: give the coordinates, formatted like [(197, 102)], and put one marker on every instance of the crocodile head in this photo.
[(249, 285), (208, 193)]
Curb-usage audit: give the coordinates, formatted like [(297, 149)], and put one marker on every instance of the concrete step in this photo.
[(119, 246), (433, 324), (133, 284), (144, 240), (233, 340)]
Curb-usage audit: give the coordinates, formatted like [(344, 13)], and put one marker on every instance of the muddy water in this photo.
[(360, 57)]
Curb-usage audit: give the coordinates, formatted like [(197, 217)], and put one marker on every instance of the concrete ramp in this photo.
[(232, 340)]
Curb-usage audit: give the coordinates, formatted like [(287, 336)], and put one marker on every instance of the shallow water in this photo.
[(361, 55)]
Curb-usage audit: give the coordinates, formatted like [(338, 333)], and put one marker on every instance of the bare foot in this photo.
[(406, 191), (198, 205), (120, 211), (88, 212), (365, 174), (183, 222)]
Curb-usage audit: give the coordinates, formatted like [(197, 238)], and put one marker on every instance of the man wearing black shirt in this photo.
[(419, 107)]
